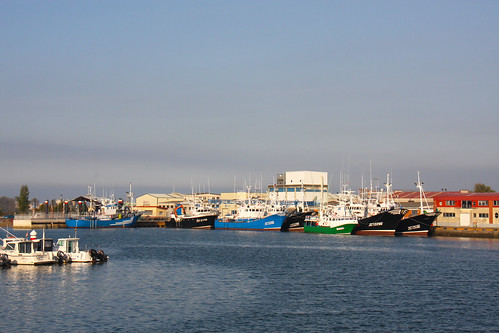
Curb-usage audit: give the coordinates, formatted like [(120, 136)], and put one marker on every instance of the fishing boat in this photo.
[(254, 215), (337, 219), (109, 214), (104, 221), (297, 214), (295, 220), (418, 225), (326, 222), (27, 251), (382, 216), (383, 223), (198, 215)]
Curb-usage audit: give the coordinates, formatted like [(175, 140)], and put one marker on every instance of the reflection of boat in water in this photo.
[(108, 213), (418, 225)]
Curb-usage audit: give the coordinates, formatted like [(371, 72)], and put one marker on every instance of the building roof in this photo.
[(407, 195), (166, 196), (468, 195)]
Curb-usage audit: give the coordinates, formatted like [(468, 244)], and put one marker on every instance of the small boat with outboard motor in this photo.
[(27, 251), (42, 251), (70, 246)]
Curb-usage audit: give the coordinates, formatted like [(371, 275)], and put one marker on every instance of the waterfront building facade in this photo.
[(158, 205), (163, 205), (468, 209), (297, 186)]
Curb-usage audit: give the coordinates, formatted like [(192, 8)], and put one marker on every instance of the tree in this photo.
[(482, 188), (7, 205), (23, 199)]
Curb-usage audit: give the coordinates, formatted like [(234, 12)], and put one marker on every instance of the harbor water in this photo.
[(241, 281)]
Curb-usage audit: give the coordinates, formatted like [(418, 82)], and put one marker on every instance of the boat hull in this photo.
[(345, 228), (193, 222), (125, 222), (32, 259), (418, 225), (295, 222), (270, 223), (381, 224)]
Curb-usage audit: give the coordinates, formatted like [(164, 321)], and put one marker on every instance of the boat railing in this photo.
[(38, 215)]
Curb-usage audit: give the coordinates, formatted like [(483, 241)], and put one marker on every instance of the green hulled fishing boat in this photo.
[(341, 226)]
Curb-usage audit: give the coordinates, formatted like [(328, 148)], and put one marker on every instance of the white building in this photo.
[(297, 186)]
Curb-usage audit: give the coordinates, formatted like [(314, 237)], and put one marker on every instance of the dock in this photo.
[(59, 222), (470, 232)]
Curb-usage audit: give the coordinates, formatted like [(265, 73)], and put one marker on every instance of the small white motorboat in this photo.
[(70, 246)]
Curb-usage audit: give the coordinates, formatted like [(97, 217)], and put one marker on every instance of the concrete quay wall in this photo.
[(470, 232)]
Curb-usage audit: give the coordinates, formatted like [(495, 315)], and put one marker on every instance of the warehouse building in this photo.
[(468, 209)]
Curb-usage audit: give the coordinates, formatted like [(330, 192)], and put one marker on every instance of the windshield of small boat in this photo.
[(10, 246), (44, 245), (72, 246), (24, 247)]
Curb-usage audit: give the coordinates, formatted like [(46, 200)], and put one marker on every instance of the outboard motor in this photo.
[(4, 260), (98, 256), (62, 257), (93, 254), (102, 256)]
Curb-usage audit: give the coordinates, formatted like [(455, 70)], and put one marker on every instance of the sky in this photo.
[(215, 95)]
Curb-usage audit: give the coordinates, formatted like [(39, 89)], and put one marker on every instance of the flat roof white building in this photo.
[(293, 186)]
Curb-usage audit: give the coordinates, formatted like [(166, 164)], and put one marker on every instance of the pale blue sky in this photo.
[(167, 94)]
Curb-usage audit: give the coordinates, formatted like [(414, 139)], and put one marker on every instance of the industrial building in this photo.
[(297, 186), (468, 209)]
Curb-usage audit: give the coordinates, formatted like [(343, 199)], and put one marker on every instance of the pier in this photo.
[(471, 232), (58, 222)]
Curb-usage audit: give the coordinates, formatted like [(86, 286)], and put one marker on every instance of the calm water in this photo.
[(230, 281)]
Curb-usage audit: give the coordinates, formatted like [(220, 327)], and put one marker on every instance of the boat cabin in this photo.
[(68, 245)]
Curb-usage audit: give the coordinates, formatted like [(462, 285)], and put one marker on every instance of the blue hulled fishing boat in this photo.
[(269, 223), (254, 215), (104, 221), (106, 213)]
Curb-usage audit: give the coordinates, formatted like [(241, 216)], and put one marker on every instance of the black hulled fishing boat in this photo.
[(417, 225), (383, 223)]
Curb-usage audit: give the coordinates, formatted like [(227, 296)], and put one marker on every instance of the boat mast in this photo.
[(422, 196), (130, 196)]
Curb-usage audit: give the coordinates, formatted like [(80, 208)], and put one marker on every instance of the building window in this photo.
[(483, 215), (497, 215), (466, 204), (449, 214), (450, 203), (483, 203), (496, 202)]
